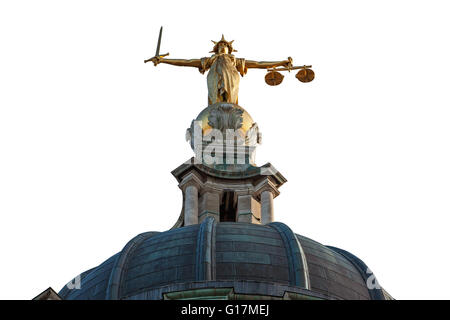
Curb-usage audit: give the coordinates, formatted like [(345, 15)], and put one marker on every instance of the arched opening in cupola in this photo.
[(228, 207)]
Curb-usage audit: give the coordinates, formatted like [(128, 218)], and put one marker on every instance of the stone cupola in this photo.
[(222, 180)]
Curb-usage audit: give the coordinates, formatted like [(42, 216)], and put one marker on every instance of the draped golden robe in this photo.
[(223, 77)]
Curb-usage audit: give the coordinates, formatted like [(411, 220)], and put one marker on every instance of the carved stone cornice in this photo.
[(212, 187)]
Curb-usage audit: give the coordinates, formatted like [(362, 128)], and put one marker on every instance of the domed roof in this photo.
[(230, 259)]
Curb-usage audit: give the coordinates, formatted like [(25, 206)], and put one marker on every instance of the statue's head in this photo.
[(223, 46)]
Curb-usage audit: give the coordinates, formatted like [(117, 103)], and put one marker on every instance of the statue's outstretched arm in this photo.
[(177, 62), (268, 64)]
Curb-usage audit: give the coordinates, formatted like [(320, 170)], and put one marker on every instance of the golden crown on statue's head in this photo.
[(228, 43)]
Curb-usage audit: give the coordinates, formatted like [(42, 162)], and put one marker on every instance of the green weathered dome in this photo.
[(226, 260)]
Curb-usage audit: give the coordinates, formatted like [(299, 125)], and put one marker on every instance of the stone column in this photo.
[(266, 207), (209, 206), (191, 184), (190, 205), (248, 209)]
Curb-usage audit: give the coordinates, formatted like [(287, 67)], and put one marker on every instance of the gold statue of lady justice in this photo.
[(224, 69)]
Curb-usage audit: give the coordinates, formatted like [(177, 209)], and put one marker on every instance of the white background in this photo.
[(89, 133)]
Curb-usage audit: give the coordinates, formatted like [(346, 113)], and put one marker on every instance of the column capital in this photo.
[(266, 185), (191, 179)]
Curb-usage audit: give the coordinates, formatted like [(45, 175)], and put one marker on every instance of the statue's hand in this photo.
[(289, 62), (156, 60)]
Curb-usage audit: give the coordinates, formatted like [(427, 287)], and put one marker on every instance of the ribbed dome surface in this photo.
[(261, 260)]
